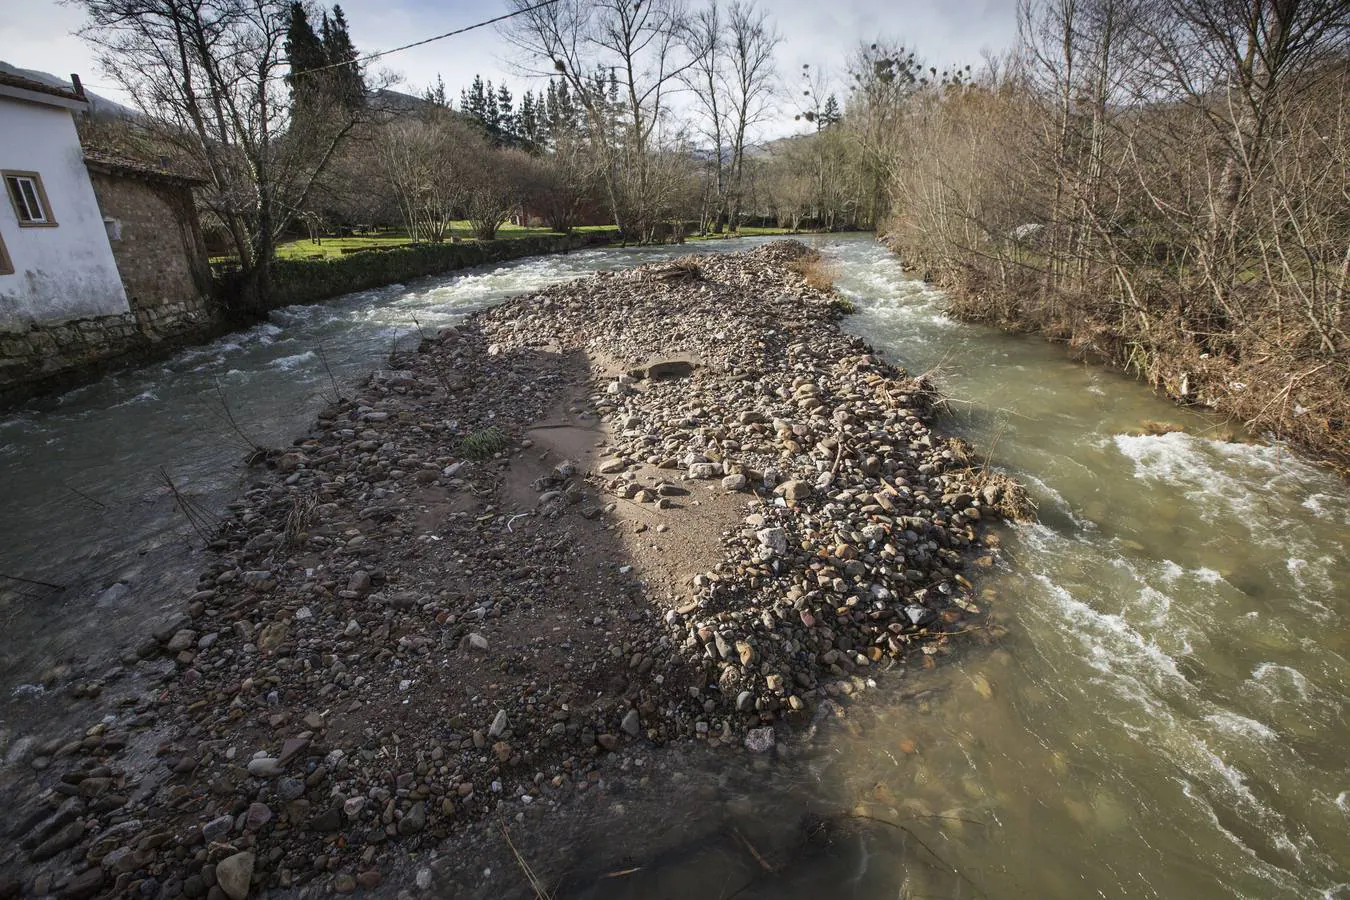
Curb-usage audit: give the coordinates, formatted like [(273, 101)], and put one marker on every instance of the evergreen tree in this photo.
[(558, 113), (491, 115), (549, 114), (830, 115), (339, 41), (554, 113), (349, 84), (506, 132), (435, 93), (597, 87), (304, 52), (527, 122), (473, 103), (567, 109)]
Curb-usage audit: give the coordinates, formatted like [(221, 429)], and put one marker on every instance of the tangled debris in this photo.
[(674, 503)]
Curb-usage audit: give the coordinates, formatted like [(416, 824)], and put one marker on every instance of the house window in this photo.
[(6, 264), (29, 198)]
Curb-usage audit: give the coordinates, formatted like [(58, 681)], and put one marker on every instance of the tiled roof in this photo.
[(117, 164), (39, 87)]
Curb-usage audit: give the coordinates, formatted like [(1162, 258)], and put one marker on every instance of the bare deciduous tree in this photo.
[(492, 186), (732, 80), (562, 182), (423, 167), (751, 42), (211, 72), (705, 81), (1162, 181), (641, 45)]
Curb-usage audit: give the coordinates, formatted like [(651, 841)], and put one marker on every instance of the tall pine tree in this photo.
[(491, 118), (830, 115), (527, 123), (435, 93), (323, 65), (473, 103), (549, 113), (559, 112), (506, 118), (304, 50), (348, 82), (305, 55)]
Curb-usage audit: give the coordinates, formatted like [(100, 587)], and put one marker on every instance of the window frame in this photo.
[(6, 264), (21, 204)]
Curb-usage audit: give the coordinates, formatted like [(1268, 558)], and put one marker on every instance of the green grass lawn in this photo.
[(331, 247)]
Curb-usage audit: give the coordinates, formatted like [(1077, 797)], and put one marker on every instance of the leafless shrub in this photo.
[(817, 274), (204, 522), (299, 517)]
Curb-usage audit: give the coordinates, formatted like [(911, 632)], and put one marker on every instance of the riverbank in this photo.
[(1268, 387), (668, 505)]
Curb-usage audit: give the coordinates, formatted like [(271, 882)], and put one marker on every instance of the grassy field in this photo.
[(332, 247), (304, 248)]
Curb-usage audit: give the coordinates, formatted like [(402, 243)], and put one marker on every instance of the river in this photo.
[(1165, 717)]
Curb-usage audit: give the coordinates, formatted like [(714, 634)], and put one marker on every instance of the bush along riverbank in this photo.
[(669, 505), (1268, 387)]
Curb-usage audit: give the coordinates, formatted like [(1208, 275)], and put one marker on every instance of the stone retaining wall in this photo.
[(310, 281), (55, 357)]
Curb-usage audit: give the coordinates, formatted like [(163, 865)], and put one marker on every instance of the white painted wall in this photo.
[(61, 273)]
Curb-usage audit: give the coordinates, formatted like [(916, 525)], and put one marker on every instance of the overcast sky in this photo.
[(39, 34)]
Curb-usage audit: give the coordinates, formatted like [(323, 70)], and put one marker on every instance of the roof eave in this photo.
[(43, 98), (145, 172)]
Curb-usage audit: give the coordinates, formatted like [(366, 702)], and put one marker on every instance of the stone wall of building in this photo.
[(157, 244), (159, 251)]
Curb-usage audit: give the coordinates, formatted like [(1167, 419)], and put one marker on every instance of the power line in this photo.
[(429, 40)]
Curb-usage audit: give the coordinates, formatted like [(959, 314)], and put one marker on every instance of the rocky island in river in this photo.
[(673, 504)]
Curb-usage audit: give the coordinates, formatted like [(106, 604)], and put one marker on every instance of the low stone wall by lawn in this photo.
[(309, 281)]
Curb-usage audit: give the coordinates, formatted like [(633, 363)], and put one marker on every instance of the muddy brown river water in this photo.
[(1167, 716)]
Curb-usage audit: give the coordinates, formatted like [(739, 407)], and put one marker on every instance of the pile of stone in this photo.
[(385, 646), (852, 550)]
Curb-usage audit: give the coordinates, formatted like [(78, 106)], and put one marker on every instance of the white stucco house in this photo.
[(56, 262)]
